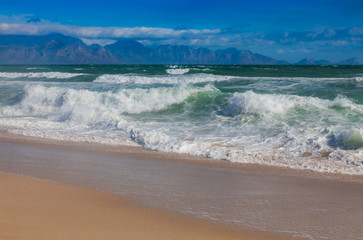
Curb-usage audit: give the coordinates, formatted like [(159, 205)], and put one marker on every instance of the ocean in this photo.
[(300, 117)]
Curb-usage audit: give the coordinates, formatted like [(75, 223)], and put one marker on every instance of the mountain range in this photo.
[(60, 49)]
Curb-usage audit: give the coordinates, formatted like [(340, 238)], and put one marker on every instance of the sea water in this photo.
[(302, 117)]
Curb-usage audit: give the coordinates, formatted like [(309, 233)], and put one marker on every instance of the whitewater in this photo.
[(301, 117)]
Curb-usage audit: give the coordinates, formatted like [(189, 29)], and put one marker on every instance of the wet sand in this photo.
[(34, 209), (245, 198)]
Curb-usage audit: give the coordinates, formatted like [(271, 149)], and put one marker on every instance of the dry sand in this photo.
[(35, 209)]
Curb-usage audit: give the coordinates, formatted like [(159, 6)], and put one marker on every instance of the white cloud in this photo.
[(300, 51), (105, 35), (102, 32), (4, 26), (329, 32), (16, 24), (322, 31), (356, 31), (339, 43), (102, 42)]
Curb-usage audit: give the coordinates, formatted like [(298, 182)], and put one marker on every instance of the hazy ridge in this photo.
[(61, 49)]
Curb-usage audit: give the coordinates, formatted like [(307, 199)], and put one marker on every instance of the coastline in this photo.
[(289, 191), (139, 152)]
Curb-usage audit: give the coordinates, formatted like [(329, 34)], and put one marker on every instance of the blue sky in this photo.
[(290, 30)]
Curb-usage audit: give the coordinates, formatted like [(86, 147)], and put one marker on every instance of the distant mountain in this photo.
[(313, 62), (128, 51), (59, 49), (244, 57), (50, 49), (350, 61)]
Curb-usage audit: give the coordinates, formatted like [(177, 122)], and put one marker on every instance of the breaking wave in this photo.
[(161, 79), (177, 71), (56, 75), (250, 102), (65, 104)]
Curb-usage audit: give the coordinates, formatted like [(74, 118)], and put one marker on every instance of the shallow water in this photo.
[(304, 117)]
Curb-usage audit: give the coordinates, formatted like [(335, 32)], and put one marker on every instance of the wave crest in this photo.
[(85, 106), (253, 103), (250, 102), (160, 79), (177, 71), (57, 75)]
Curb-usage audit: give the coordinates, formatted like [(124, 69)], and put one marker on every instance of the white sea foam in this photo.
[(298, 78), (84, 106), (177, 71), (262, 151), (203, 77), (252, 127), (250, 102), (254, 103), (349, 139), (57, 75), (204, 69), (161, 79)]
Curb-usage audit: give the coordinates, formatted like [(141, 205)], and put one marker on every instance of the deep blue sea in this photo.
[(302, 117)]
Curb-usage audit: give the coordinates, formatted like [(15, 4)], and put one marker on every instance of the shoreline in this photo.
[(275, 201), (139, 152), (36, 209)]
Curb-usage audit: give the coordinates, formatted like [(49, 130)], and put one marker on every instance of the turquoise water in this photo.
[(305, 117)]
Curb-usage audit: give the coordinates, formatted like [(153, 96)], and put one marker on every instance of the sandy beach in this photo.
[(34, 209), (143, 193)]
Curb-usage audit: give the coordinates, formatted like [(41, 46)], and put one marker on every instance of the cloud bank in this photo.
[(102, 32)]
